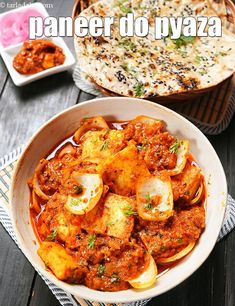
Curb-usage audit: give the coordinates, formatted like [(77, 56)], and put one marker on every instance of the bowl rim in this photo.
[(114, 296)]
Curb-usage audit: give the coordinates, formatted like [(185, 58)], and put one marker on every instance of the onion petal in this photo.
[(14, 27), (92, 190), (147, 278), (36, 186), (149, 188), (95, 123), (198, 195), (68, 149), (35, 205), (181, 158), (178, 255)]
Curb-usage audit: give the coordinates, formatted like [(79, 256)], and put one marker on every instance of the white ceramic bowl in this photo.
[(63, 125), (8, 53)]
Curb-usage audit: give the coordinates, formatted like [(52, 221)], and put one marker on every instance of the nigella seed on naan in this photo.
[(144, 67)]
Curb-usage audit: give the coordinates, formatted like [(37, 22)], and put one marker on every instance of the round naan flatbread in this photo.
[(145, 67)]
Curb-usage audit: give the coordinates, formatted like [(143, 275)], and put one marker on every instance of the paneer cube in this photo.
[(59, 261), (93, 221), (118, 215), (121, 171), (61, 221), (100, 145)]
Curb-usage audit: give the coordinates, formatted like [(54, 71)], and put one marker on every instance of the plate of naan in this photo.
[(146, 67)]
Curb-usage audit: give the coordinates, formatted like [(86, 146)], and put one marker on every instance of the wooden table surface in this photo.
[(22, 111)]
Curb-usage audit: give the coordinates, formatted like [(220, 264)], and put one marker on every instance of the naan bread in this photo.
[(145, 67)]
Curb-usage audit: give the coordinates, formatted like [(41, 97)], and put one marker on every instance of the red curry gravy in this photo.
[(107, 263), (38, 55)]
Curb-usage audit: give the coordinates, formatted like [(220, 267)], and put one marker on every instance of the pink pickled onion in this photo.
[(14, 27)]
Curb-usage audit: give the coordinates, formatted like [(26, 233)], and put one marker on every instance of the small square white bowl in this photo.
[(10, 52)]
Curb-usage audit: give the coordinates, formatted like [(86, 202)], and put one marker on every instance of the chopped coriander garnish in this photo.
[(85, 118), (180, 240), (143, 51), (221, 53), (127, 44), (202, 72), (78, 189), (198, 59), (139, 89), (160, 235), (174, 148), (106, 132), (182, 53), (91, 241), (104, 145), (115, 278), (94, 141), (52, 235), (163, 248), (183, 40), (148, 205), (125, 66), (100, 270), (124, 9), (141, 147), (128, 211), (110, 223)]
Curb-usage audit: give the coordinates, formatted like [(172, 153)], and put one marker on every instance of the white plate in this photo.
[(8, 53), (62, 126)]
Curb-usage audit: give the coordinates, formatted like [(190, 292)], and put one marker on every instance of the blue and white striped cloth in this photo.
[(66, 299)]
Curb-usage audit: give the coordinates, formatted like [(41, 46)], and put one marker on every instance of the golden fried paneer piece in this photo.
[(100, 145), (118, 215), (55, 218), (62, 223), (121, 171), (186, 184), (93, 221), (113, 216), (60, 262)]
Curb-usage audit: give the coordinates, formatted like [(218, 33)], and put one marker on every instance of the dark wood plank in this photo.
[(16, 273), (230, 245), (22, 111), (3, 74), (3, 70), (42, 295)]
